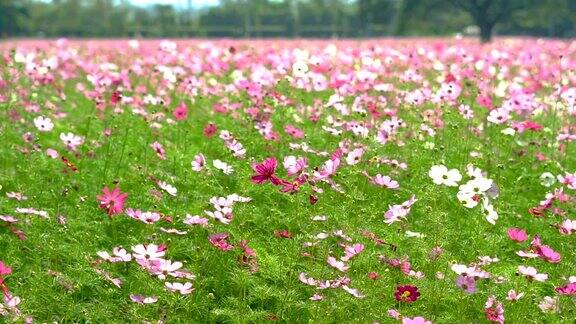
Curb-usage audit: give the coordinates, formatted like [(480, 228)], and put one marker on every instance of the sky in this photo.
[(178, 3)]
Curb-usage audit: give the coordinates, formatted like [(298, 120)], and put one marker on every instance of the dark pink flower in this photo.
[(4, 269), (569, 289), (494, 310), (210, 130), (220, 241), (293, 186), (113, 201), (265, 172), (407, 293)]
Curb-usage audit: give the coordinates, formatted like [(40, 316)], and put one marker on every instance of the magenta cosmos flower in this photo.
[(265, 172), (113, 201), (407, 293), (181, 112), (517, 234)]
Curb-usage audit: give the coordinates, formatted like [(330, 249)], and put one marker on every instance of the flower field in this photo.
[(410, 181)]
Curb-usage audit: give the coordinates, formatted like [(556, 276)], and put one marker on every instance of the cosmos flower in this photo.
[(148, 251), (112, 201), (139, 299), (223, 166), (170, 189), (182, 288), (159, 149), (407, 293), (494, 310), (198, 163), (181, 112), (442, 176), (44, 124), (531, 273), (71, 141), (265, 172), (220, 241), (517, 234)]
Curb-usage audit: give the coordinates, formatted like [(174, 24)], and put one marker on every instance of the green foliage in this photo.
[(288, 18)]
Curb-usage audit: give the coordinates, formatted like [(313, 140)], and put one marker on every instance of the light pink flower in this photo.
[(340, 265), (159, 149), (517, 234), (112, 201), (182, 288)]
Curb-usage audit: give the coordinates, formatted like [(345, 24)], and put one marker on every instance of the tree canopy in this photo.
[(289, 18)]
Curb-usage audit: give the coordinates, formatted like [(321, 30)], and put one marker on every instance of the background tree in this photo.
[(487, 13)]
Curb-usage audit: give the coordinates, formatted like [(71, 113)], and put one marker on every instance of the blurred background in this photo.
[(285, 18)]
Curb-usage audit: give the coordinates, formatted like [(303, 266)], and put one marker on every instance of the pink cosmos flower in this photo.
[(337, 264), (52, 153), (396, 213), (113, 201), (568, 179), (307, 280), (294, 165), (182, 288), (544, 251), (532, 273), (517, 234), (329, 168), (354, 156), (351, 251), (139, 299), (466, 283), (513, 295), (220, 241), (119, 255), (195, 220), (159, 149), (293, 186), (199, 162), (494, 310), (181, 112), (71, 141), (385, 181), (316, 297), (265, 172), (549, 304), (4, 269), (210, 130), (415, 320), (145, 217), (294, 132), (569, 289)]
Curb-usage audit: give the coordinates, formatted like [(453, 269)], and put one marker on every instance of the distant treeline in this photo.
[(289, 18)]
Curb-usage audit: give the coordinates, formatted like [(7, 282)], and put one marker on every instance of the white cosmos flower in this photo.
[(442, 176), (224, 167), (491, 214), (477, 186), (171, 190), (44, 124), (547, 179), (466, 198), (299, 69)]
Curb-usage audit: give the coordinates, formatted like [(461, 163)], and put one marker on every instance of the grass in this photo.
[(54, 268)]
